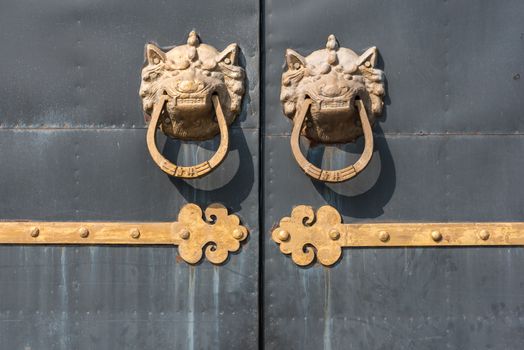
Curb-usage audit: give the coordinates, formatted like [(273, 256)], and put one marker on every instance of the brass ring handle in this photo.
[(331, 175), (187, 172)]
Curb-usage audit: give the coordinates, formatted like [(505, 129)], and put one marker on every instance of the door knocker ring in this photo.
[(333, 96), (183, 90)]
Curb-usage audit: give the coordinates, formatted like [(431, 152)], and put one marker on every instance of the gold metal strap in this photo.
[(304, 235), (218, 234), (187, 172), (331, 175)]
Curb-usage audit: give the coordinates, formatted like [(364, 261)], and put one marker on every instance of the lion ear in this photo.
[(228, 55), (294, 60), (368, 58), (154, 54)]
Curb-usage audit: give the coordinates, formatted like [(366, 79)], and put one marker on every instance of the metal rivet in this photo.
[(84, 232), (35, 231), (383, 236), (135, 233), (484, 235), (437, 236), (184, 233), (334, 234), (238, 234), (283, 235)]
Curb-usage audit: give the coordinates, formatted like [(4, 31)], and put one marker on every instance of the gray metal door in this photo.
[(448, 148), (72, 136)]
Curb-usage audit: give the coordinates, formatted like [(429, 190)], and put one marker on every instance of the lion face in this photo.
[(189, 75), (333, 78)]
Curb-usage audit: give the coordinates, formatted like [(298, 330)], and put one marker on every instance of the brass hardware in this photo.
[(84, 232), (135, 233), (333, 96), (34, 232), (484, 235), (216, 235), (183, 90), (184, 233), (308, 234), (283, 235), (436, 236), (383, 236)]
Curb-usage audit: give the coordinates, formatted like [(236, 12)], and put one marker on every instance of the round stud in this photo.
[(227, 60), (484, 235), (383, 236), (35, 231), (238, 234), (367, 64), (83, 232), (334, 234), (134, 233), (283, 235), (436, 235), (184, 233), (296, 65)]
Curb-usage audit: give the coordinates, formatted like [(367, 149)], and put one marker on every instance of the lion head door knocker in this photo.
[(333, 96), (192, 92)]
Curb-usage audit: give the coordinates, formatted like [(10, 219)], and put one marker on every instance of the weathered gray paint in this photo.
[(448, 149), (73, 148)]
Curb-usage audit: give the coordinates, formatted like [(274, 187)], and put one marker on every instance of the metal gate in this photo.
[(446, 149)]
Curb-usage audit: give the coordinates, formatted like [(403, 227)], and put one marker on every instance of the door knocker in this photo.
[(333, 96), (192, 93)]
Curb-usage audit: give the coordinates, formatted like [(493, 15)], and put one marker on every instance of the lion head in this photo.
[(189, 75), (333, 78)]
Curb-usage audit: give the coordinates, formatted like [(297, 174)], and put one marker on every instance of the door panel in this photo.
[(447, 149), (73, 148)]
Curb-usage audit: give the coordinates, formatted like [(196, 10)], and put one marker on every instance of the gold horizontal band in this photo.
[(306, 235), (217, 235)]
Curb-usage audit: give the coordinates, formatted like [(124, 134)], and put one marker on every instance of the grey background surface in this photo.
[(73, 148), (449, 148)]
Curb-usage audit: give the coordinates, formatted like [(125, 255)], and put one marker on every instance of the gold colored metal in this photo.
[(215, 235), (34, 232), (283, 235), (484, 235), (309, 235), (184, 233), (383, 236), (135, 233), (84, 232), (183, 91), (436, 236), (333, 96)]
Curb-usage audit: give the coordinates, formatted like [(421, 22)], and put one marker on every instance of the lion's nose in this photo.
[(189, 86), (331, 90)]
